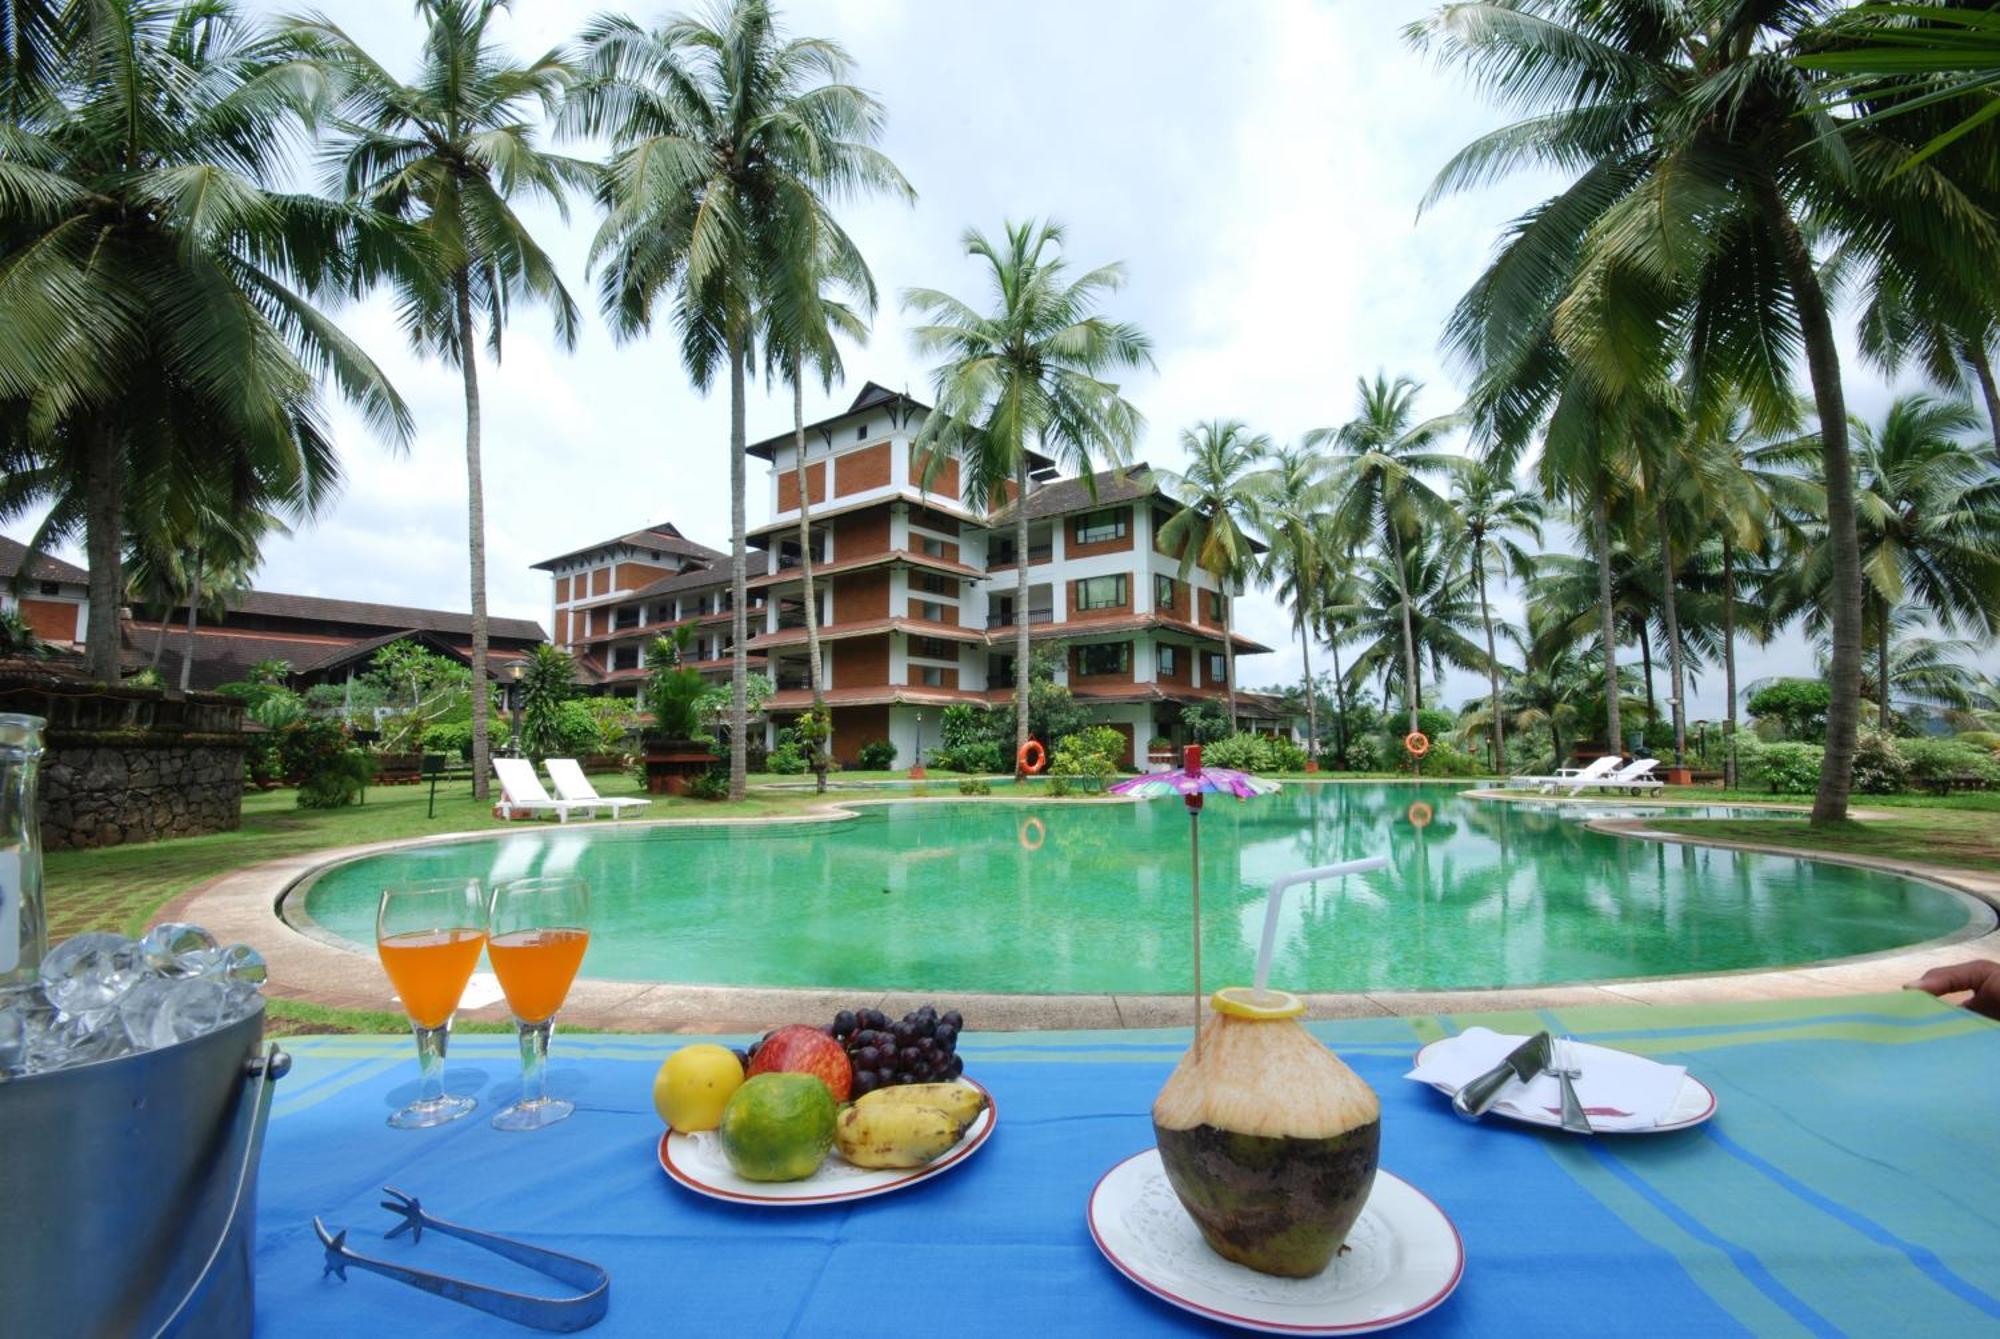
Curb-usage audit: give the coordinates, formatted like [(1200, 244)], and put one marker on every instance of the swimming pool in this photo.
[(1058, 897)]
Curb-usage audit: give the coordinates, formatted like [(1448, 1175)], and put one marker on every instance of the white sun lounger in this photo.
[(1635, 776), (572, 785), (523, 793), (1571, 778)]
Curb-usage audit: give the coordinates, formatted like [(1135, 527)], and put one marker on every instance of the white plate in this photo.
[(1402, 1258), (1692, 1105), (697, 1162)]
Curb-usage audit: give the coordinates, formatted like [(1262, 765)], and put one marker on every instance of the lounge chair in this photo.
[(572, 785), (1633, 777), (1571, 778), (523, 794)]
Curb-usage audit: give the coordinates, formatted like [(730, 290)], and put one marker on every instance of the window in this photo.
[(933, 648), (1218, 668), (1002, 552), (1101, 592), (934, 548), (1103, 658), (625, 658), (930, 676), (626, 617), (1168, 661), (51, 588), (933, 584), (930, 611), (1163, 591), (861, 432), (1213, 599), (999, 671), (1100, 527)]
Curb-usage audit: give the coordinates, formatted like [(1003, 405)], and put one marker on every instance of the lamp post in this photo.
[(917, 772), (514, 703)]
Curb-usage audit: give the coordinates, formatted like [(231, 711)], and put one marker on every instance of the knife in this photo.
[(1524, 1062)]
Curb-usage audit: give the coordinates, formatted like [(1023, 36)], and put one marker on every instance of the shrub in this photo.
[(1287, 756), (330, 771), (1447, 760), (1245, 752), (1365, 753), (1060, 787), (1985, 739), (786, 760), (877, 755), (1658, 737), (964, 725), (1879, 765), (973, 785), (1944, 759), (547, 683), (1797, 705), (1785, 768), (1435, 723), (1084, 759), (449, 737), (1205, 722), (1159, 744), (710, 785)]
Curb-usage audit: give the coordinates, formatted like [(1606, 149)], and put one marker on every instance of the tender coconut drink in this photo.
[(1268, 1139)]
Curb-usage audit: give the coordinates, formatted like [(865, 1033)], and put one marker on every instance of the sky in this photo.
[(1256, 167)]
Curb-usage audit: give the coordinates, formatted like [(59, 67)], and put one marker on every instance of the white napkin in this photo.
[(1618, 1091)]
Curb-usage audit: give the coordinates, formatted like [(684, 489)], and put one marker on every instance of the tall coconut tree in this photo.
[(1384, 461), (1027, 375), (1431, 605), (448, 155), (158, 281), (1291, 503), (1705, 169), (1335, 614), (1220, 493), (731, 142), (1494, 513)]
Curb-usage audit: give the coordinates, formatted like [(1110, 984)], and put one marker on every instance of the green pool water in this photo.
[(928, 895)]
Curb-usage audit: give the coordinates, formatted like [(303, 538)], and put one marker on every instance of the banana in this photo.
[(895, 1134), (961, 1101)]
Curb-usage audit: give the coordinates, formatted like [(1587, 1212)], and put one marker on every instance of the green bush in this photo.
[(1797, 705), (331, 772), (965, 726), (1366, 752), (1985, 739), (1244, 751), (1205, 722), (986, 756), (973, 785), (1084, 759), (1879, 765), (1447, 760), (1658, 737), (1944, 759), (1784, 768), (786, 760), (1060, 787), (1287, 756), (710, 785), (877, 755), (1435, 723), (449, 737)]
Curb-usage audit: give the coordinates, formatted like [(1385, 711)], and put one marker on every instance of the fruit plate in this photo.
[(1401, 1260), (1694, 1104), (696, 1161)]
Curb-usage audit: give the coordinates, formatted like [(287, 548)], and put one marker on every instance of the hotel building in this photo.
[(917, 592)]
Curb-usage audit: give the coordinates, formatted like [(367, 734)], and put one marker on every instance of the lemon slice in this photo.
[(1257, 1005)]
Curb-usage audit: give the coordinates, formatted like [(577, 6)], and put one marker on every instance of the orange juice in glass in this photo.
[(536, 934), (429, 936)]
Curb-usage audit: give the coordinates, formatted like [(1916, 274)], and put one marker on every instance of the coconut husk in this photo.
[(1269, 1078)]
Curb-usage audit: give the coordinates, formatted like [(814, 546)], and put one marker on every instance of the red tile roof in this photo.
[(42, 568)]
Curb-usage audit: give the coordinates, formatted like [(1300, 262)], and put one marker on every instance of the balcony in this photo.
[(1005, 618)]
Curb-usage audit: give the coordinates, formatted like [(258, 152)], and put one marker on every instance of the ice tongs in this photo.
[(562, 1314)]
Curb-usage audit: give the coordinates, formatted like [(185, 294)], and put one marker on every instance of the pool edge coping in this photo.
[(246, 905)]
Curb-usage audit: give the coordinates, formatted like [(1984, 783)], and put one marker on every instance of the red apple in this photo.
[(798, 1049)]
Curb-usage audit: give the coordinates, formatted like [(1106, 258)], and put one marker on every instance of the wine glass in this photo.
[(429, 935), (536, 932)]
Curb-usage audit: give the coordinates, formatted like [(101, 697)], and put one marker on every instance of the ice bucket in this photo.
[(128, 1190)]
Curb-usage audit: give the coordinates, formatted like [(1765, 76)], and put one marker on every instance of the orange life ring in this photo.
[(1041, 834), (1417, 742), (1032, 757), (1419, 815)]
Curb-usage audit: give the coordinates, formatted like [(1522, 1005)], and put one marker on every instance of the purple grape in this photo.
[(742, 1058), (905, 1077), (844, 1023), (865, 1081), (945, 1036), (866, 1057), (873, 1018), (954, 1067), (952, 1017)]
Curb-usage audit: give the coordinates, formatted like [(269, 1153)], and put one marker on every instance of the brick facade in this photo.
[(859, 471), (788, 486)]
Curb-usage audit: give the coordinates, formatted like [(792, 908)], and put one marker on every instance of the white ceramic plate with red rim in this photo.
[(1694, 1104), (1401, 1260), (697, 1162)]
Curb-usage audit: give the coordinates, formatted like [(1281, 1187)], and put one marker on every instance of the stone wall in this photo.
[(132, 765)]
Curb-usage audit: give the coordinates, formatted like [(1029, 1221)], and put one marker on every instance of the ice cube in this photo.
[(140, 1011), (84, 975), (241, 964), (175, 948), (194, 1007)]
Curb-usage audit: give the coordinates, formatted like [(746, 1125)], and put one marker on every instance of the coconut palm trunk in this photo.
[(1836, 776), (1492, 665), (193, 616), (1600, 534), (1020, 607), (1312, 698), (1882, 662), (1729, 662), (104, 534), (1228, 655), (1413, 694), (475, 527), (1646, 669), (813, 672), (1982, 368), (739, 573), (1339, 706), (1669, 608)]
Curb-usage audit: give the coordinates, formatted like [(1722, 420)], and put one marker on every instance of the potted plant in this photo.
[(1159, 754), (675, 749)]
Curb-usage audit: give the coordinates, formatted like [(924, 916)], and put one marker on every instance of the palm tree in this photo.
[(447, 155), (1383, 458), (1026, 378), (1491, 510), (1219, 493), (1428, 605), (1703, 162), (729, 143), (1291, 503), (158, 283), (1334, 614)]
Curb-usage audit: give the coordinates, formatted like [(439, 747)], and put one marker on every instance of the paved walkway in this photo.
[(241, 907)]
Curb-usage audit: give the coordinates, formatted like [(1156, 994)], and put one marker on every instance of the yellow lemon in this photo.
[(1256, 1005), (694, 1084)]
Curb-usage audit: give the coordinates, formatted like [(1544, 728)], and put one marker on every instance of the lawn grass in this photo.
[(1960, 836)]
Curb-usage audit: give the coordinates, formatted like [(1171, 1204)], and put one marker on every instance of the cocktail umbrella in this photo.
[(1191, 783)]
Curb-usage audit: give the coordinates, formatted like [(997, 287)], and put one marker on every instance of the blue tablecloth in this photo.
[(1850, 1184)]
